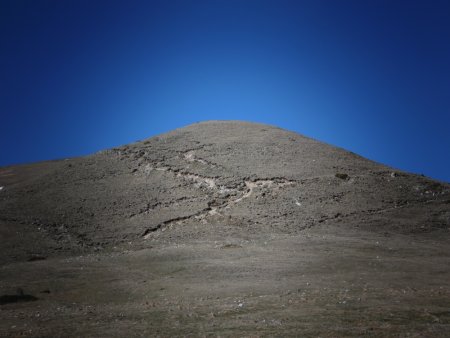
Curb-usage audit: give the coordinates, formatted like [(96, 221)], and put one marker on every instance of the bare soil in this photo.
[(223, 229)]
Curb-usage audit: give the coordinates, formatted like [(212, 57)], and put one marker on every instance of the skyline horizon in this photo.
[(371, 77), (221, 120)]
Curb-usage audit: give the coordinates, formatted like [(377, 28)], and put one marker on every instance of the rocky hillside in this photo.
[(210, 178), (222, 229)]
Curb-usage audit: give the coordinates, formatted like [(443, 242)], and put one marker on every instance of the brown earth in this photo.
[(223, 229)]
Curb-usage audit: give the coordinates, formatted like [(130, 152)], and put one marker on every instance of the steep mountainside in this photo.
[(214, 177), (212, 182)]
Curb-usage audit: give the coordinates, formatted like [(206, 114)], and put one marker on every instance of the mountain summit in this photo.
[(266, 205)]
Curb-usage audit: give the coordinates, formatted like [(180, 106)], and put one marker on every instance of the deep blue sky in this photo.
[(370, 76)]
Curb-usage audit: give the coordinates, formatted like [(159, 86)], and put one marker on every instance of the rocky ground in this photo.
[(223, 229)]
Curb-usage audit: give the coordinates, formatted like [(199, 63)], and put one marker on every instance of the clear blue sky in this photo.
[(77, 76)]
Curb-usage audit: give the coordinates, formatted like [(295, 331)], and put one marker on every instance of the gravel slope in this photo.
[(204, 218)]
